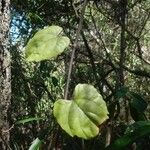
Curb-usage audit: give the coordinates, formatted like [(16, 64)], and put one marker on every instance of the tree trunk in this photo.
[(5, 74), (124, 112)]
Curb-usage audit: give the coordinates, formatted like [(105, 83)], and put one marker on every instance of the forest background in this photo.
[(109, 44)]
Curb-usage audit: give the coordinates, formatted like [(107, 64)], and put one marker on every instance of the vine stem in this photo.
[(74, 48)]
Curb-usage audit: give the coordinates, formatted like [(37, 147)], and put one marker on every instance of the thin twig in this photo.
[(74, 48), (6, 131), (108, 136)]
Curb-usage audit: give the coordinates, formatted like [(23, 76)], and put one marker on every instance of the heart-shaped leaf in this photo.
[(82, 115), (46, 43)]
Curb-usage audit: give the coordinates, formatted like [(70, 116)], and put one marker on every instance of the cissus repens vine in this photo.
[(82, 115)]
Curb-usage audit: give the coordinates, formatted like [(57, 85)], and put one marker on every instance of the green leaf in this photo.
[(36, 144), (55, 81), (23, 121), (122, 92), (138, 102), (46, 43), (137, 106), (82, 115), (135, 131)]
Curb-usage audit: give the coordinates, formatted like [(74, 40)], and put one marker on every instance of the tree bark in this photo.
[(123, 12), (5, 73)]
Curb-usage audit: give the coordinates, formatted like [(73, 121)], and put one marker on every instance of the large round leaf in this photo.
[(82, 115), (46, 43)]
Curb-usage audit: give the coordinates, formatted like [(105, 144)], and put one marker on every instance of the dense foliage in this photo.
[(109, 49)]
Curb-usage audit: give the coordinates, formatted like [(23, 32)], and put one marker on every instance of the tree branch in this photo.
[(74, 47)]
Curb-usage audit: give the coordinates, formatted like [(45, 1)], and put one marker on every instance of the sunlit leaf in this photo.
[(23, 121), (46, 43), (36, 144), (82, 115)]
